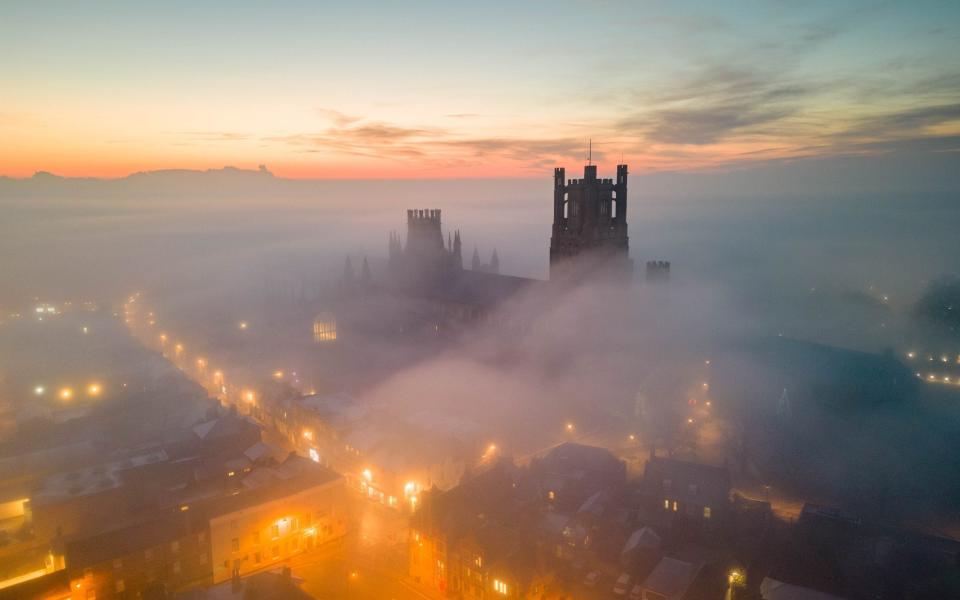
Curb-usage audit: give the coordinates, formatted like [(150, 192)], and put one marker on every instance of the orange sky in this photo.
[(421, 92)]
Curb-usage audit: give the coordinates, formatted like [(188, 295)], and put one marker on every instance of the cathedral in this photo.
[(425, 268)]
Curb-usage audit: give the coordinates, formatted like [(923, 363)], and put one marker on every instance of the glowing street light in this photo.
[(94, 389), (66, 393), (243, 325), (569, 427), (278, 374), (249, 396), (368, 475), (39, 390)]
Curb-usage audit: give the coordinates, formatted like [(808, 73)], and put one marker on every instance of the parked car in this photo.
[(591, 579), (636, 593), (622, 585)]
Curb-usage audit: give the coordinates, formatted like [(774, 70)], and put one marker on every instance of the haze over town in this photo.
[(437, 301)]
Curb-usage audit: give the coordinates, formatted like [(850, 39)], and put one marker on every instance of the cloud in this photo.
[(903, 123), (336, 117)]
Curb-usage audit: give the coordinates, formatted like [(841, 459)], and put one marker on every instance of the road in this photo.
[(371, 562)]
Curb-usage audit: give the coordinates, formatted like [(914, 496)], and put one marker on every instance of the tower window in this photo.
[(324, 328)]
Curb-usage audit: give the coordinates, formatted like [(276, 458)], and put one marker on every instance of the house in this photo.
[(671, 579), (162, 553), (691, 492), (571, 473), (278, 512), (455, 535)]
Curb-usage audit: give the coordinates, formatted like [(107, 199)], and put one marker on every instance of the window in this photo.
[(674, 506), (552, 495), (692, 488), (706, 512), (175, 547), (324, 328), (478, 561), (119, 586), (500, 586), (256, 557), (275, 531), (276, 551), (235, 544), (176, 567), (666, 504), (256, 537), (201, 537)]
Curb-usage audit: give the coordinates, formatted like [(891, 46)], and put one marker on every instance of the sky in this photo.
[(485, 89)]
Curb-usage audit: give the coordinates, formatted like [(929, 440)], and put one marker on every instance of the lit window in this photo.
[(478, 561), (119, 586), (235, 544), (324, 328), (275, 531), (666, 504), (674, 506), (500, 586), (706, 512), (551, 495)]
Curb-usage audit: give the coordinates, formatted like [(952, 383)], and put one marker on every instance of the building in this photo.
[(277, 512), (671, 579), (457, 535), (689, 492), (162, 554), (570, 474), (589, 225)]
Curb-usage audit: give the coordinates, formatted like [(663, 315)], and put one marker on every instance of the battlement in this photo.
[(658, 270), (431, 215)]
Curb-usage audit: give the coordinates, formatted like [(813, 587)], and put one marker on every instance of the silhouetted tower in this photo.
[(365, 273), (348, 274), (494, 262), (590, 224), (457, 255), (475, 261)]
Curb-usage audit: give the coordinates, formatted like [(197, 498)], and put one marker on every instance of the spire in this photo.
[(494, 262), (348, 271), (449, 243), (475, 261), (365, 273)]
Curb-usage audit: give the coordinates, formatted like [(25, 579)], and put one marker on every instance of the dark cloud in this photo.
[(903, 123)]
